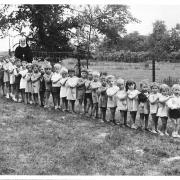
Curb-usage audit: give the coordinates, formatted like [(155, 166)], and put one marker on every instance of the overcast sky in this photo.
[(147, 13)]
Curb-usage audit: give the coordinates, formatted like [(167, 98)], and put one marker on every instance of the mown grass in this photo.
[(39, 142)]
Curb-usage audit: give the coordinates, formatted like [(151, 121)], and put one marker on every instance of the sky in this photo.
[(146, 13)]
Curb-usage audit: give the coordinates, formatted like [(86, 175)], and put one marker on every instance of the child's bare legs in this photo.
[(72, 103), (64, 103), (80, 101), (103, 113), (47, 95), (133, 119), (23, 95), (89, 106), (123, 117), (95, 110), (155, 122), (112, 114), (164, 124), (7, 89), (35, 96), (176, 126)]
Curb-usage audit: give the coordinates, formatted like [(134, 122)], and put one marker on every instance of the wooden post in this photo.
[(153, 70)]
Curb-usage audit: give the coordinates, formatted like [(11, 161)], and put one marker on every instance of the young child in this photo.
[(111, 103), (71, 89), (48, 84), (144, 107), (63, 91), (28, 89), (121, 98), (1, 78), (42, 87), (35, 78), (55, 79), (163, 108), (88, 104), (23, 80), (94, 85), (81, 88), (154, 99), (12, 78), (174, 110), (132, 101), (6, 77), (17, 70), (103, 98)]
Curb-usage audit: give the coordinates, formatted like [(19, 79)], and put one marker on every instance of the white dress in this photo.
[(63, 91), (23, 80), (111, 92), (153, 107), (55, 77), (163, 108), (121, 100), (132, 104), (71, 88)]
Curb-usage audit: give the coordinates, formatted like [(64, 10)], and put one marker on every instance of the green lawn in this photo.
[(39, 142)]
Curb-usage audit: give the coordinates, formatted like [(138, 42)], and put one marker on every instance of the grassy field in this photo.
[(39, 142), (135, 71)]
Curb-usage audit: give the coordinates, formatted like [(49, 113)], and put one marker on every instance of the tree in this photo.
[(49, 28)]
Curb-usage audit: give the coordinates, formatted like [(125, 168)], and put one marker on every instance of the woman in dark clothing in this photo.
[(23, 51)]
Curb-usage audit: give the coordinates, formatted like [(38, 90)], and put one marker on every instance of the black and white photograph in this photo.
[(89, 88)]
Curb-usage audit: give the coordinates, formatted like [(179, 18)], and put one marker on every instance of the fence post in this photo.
[(153, 70)]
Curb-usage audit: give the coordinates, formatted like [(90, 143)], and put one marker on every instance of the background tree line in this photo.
[(96, 31)]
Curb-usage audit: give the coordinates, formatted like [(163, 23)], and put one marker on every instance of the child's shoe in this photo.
[(56, 107), (154, 131), (161, 133), (30, 102), (7, 96), (174, 134), (166, 133), (133, 126)]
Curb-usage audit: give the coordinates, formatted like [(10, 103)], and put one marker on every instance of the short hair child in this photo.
[(17, 70), (56, 77), (35, 83), (63, 91), (144, 104), (71, 89), (28, 89), (88, 103), (132, 101), (42, 87), (23, 81), (121, 98), (103, 97), (111, 102), (81, 89), (163, 108), (48, 84), (1, 77), (174, 110), (153, 100), (94, 85)]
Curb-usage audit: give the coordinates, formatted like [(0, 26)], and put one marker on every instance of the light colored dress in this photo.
[(6, 73), (35, 85), (103, 97), (94, 87), (71, 88), (132, 104), (11, 73), (153, 107), (111, 93), (23, 80), (121, 100), (163, 108), (63, 91), (29, 83), (55, 77)]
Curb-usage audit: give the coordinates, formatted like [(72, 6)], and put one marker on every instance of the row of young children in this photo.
[(30, 83)]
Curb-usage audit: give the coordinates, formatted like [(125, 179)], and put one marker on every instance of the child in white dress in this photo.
[(63, 91), (132, 101), (23, 80), (121, 99), (163, 108), (35, 78), (153, 100), (71, 89), (111, 102)]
